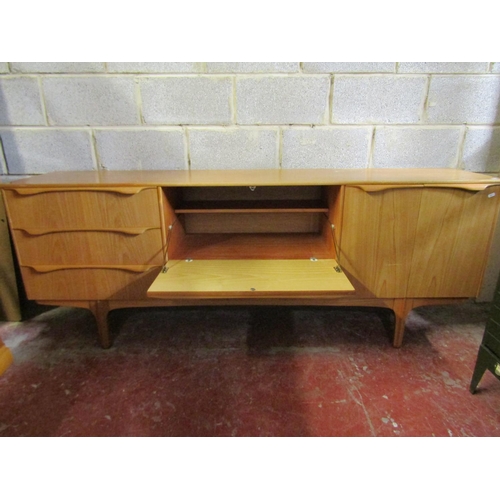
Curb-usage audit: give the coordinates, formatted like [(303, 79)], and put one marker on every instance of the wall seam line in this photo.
[(280, 148), (371, 148), (187, 147), (422, 119), (459, 163), (43, 101), (95, 153), (138, 101), (234, 113)]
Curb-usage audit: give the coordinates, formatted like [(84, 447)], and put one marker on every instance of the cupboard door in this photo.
[(378, 235), (453, 236)]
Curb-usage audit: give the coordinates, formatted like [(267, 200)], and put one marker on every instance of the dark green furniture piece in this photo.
[(488, 357)]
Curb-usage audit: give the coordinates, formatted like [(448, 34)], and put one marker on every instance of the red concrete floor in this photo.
[(248, 372)]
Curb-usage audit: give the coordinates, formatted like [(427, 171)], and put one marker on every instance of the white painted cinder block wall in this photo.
[(115, 116), (85, 116)]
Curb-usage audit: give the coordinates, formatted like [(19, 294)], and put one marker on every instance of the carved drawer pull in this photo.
[(129, 231), (464, 187), (131, 269), (375, 188), (118, 190)]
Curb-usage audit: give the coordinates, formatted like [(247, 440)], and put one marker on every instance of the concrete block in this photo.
[(282, 100), (138, 149), (252, 67), (464, 99), (326, 147), (57, 67), (20, 102), (156, 67), (37, 151), (495, 67), (416, 147), (4, 67), (443, 67), (378, 99), (233, 148), (481, 151), (196, 100), (90, 101), (349, 67)]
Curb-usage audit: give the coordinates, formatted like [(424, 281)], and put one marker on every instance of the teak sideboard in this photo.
[(392, 238)]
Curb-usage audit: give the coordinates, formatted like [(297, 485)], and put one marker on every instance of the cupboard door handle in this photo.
[(375, 188), (465, 187), (131, 269), (118, 190), (129, 231)]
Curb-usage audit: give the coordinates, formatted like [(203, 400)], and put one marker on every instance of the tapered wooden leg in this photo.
[(401, 308), (100, 309)]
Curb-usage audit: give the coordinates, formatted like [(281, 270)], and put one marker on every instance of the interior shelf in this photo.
[(252, 206), (253, 246)]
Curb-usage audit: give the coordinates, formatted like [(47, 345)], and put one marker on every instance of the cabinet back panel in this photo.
[(252, 246), (259, 193), (252, 223)]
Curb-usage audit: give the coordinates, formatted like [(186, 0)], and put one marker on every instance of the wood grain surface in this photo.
[(249, 277)]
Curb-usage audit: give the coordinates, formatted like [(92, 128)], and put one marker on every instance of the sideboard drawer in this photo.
[(141, 246), (83, 209), (105, 283)]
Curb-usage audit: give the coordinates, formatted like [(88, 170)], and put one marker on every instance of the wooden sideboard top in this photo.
[(274, 177)]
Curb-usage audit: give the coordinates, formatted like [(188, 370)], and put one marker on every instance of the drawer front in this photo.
[(89, 247), (88, 284), (83, 209)]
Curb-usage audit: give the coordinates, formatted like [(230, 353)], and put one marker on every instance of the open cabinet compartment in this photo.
[(250, 241)]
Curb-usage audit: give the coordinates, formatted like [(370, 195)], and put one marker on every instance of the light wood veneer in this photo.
[(249, 278), (401, 238)]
